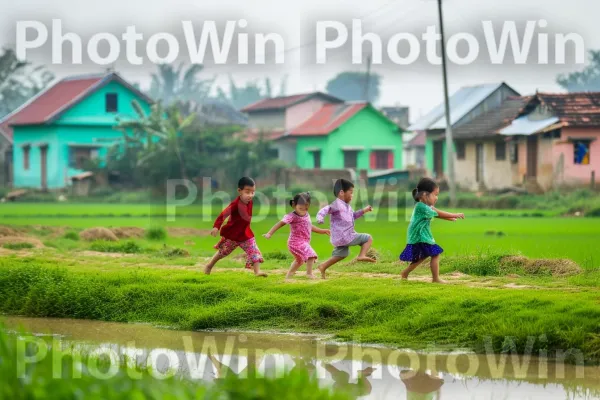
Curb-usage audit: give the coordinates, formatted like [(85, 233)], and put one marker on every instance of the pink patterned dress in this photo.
[(299, 240)]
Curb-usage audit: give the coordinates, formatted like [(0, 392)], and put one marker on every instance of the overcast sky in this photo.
[(418, 85)]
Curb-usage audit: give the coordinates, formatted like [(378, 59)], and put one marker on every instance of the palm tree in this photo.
[(157, 134)]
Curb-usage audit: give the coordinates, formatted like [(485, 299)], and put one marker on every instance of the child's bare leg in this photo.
[(435, 269), (411, 268), (256, 269), (212, 263), (293, 268), (309, 268), (323, 267), (362, 256)]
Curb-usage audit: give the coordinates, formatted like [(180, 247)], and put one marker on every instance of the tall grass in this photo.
[(407, 314)]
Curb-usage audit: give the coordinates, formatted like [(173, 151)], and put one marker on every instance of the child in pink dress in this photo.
[(300, 233)]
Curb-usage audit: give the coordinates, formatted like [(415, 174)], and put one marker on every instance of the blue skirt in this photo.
[(420, 251)]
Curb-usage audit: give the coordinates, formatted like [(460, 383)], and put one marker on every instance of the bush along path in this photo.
[(353, 304)]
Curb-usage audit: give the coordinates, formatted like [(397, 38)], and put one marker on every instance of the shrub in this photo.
[(71, 235), (18, 246), (129, 247), (156, 233)]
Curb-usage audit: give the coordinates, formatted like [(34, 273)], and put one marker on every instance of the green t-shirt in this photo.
[(419, 230)]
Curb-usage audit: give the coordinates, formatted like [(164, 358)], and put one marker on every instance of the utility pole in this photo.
[(368, 78), (449, 142)]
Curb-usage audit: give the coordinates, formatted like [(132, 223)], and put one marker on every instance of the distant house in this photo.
[(414, 150), (320, 131), (400, 115), (556, 139), (465, 105), (72, 121), (485, 159)]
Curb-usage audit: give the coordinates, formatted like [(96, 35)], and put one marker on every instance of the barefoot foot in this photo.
[(311, 276), (261, 274), (207, 270), (365, 259), (323, 276), (438, 281)]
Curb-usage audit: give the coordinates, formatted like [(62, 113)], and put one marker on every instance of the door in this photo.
[(438, 158), (44, 167), (479, 165), (532, 142)]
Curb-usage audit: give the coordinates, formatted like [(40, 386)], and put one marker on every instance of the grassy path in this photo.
[(358, 302)]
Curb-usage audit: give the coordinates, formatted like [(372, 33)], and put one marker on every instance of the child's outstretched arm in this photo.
[(321, 231), (448, 216), (322, 213), (274, 229), (360, 213), (219, 221)]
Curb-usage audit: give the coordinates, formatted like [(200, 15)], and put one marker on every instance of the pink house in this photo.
[(555, 140)]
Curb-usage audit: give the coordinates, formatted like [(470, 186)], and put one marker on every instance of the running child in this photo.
[(343, 234), (300, 234), (236, 231), (421, 244)]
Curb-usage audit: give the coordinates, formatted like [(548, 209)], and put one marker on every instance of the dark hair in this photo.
[(425, 185), (300, 198), (245, 181), (342, 184)]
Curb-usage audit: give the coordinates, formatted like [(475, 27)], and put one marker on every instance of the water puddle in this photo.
[(371, 372)]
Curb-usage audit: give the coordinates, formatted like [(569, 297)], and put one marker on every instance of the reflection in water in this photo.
[(362, 387), (420, 385), (366, 372)]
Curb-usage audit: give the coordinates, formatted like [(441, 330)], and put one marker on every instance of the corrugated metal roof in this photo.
[(488, 123), (461, 102), (525, 126)]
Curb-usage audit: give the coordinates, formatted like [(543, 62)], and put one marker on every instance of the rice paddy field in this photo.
[(536, 234)]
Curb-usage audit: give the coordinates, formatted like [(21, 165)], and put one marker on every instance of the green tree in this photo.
[(350, 86), (253, 91), (587, 80), (19, 81)]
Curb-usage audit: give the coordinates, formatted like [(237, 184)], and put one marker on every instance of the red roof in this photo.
[(49, 104), (328, 118), (575, 109), (277, 103)]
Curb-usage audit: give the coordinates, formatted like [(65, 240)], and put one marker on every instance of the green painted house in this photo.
[(322, 132), (72, 121)]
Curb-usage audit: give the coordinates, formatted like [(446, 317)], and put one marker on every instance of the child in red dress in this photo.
[(237, 231)]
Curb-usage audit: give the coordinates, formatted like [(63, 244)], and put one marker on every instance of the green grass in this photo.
[(353, 307), (18, 246), (38, 380)]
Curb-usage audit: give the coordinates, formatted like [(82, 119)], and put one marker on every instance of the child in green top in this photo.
[(421, 244)]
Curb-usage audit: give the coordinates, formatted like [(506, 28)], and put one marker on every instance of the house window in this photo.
[(500, 151), (350, 159), (26, 155), (79, 156), (581, 152), (514, 152), (111, 102), (460, 150), (317, 159), (382, 159)]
